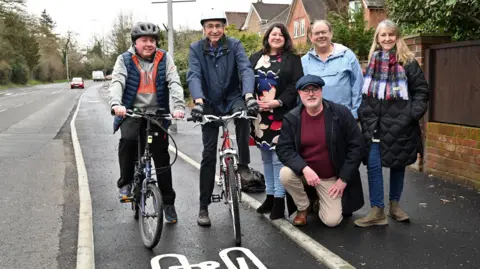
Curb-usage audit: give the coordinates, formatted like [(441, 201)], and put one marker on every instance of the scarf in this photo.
[(385, 78)]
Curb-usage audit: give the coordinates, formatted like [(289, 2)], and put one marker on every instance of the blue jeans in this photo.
[(271, 171), (375, 178)]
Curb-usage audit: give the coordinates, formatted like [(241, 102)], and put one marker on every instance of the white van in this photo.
[(98, 76)]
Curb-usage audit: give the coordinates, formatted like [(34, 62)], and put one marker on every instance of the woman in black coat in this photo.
[(276, 69), (395, 96)]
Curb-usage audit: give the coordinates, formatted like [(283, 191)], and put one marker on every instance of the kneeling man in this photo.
[(321, 147)]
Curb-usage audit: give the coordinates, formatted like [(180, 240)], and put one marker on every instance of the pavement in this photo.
[(37, 170)]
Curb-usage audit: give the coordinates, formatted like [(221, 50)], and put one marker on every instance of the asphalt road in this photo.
[(38, 193), (116, 233)]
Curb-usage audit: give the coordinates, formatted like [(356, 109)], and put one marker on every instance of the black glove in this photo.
[(197, 112), (252, 106)]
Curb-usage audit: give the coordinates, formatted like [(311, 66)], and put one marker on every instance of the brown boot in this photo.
[(397, 213), (376, 217), (301, 218)]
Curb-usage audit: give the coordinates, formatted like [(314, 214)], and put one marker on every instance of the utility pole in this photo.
[(170, 40), (66, 55)]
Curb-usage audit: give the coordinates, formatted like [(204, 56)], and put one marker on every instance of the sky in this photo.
[(89, 17)]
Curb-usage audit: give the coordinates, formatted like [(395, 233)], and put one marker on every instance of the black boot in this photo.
[(266, 206), (278, 210)]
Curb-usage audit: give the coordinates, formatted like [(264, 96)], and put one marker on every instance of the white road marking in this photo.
[(56, 92), (3, 110), (318, 251), (18, 105), (155, 262), (85, 247)]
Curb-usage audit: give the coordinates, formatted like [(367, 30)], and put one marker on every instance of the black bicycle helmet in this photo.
[(145, 29)]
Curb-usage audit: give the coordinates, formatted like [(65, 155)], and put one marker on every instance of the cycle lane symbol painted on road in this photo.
[(185, 264)]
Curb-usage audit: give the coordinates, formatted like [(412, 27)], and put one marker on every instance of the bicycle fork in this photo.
[(225, 194)]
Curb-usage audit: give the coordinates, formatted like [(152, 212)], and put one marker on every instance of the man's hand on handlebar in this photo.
[(120, 111), (178, 114), (197, 112)]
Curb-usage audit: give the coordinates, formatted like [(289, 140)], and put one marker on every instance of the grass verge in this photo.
[(29, 84)]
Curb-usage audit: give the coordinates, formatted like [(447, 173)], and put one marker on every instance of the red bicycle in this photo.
[(229, 178)]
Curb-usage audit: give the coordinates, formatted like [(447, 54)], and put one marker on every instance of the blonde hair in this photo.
[(404, 54)]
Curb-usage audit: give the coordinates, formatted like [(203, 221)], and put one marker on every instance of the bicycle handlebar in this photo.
[(140, 114), (212, 118)]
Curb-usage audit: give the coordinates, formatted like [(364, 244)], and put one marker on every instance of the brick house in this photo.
[(261, 14), (237, 18), (374, 11), (304, 12)]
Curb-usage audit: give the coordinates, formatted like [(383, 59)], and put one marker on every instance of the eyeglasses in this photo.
[(211, 26), (314, 90)]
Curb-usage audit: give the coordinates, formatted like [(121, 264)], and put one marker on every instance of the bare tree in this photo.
[(120, 36)]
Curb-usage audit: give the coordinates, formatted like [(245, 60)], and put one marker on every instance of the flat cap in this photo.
[(309, 80)]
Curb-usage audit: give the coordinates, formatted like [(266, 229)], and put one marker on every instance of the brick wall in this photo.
[(453, 152), (418, 44)]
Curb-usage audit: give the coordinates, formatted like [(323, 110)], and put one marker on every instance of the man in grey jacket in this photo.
[(144, 77)]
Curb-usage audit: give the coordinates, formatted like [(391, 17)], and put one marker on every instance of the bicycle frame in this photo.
[(145, 163), (225, 153)]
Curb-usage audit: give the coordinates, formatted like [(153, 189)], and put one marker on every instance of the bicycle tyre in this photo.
[(150, 244), (234, 206)]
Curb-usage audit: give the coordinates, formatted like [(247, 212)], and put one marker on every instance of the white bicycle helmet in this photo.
[(213, 14)]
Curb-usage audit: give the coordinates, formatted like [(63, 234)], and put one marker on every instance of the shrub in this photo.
[(5, 72), (20, 73)]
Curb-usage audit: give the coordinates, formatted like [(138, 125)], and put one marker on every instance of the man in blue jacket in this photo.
[(221, 81), (337, 65)]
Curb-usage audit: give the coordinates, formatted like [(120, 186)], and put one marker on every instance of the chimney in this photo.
[(259, 1)]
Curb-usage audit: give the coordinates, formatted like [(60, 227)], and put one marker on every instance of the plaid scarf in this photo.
[(385, 78)]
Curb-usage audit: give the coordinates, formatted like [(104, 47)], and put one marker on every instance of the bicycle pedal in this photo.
[(216, 198)]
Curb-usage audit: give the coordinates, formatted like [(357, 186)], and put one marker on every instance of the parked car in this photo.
[(77, 83)]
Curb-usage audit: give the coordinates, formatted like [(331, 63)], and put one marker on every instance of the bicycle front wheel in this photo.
[(234, 205), (151, 222)]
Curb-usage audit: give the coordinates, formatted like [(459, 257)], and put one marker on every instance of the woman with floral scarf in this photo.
[(277, 69), (395, 97)]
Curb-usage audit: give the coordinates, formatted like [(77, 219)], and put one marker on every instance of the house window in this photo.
[(302, 27), (355, 5)]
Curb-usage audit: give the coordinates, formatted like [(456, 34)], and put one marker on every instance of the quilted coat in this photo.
[(397, 121)]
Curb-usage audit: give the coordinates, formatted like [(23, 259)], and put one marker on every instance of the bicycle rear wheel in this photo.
[(234, 205), (151, 232)]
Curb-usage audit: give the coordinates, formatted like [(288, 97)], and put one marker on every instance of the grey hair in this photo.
[(327, 23)]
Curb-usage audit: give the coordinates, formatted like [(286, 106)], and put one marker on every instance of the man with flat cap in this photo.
[(321, 147)]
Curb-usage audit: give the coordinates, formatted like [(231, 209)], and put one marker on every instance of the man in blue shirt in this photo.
[(337, 65), (221, 81)]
